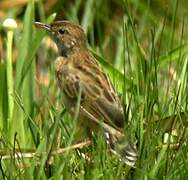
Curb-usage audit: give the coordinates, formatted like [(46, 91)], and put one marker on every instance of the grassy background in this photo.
[(142, 45)]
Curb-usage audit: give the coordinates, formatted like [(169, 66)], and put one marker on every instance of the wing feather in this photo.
[(98, 96)]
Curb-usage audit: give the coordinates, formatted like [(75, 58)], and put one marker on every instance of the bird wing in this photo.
[(98, 96)]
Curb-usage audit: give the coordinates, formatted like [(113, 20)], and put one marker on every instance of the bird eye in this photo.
[(62, 31)]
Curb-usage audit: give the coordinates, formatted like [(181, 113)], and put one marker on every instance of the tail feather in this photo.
[(129, 154), (124, 149)]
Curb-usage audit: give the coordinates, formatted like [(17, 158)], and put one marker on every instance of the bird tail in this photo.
[(128, 153), (124, 149)]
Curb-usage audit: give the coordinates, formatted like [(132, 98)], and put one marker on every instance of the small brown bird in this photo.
[(79, 75)]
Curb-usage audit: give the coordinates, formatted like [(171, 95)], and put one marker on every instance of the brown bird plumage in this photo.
[(79, 74)]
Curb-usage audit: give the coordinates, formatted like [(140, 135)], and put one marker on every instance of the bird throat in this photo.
[(67, 51), (64, 51)]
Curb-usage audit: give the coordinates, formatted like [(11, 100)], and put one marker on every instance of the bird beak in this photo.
[(43, 26)]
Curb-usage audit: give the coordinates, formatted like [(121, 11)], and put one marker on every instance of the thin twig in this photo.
[(19, 154)]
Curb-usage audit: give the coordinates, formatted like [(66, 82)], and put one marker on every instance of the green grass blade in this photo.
[(3, 99), (36, 41), (173, 55), (25, 43), (9, 76), (114, 72)]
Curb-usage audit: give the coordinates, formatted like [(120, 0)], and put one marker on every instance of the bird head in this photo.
[(67, 36)]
